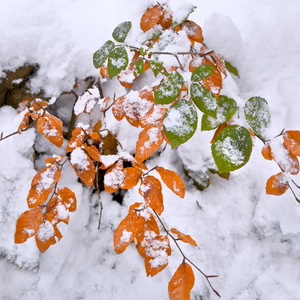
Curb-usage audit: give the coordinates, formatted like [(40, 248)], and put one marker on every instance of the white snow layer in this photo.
[(251, 240)]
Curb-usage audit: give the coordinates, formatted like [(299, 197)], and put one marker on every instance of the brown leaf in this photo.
[(83, 166), (150, 139), (151, 190), (28, 224), (166, 19), (181, 283), (277, 184), (132, 177), (41, 185), (292, 141), (219, 61), (150, 18), (184, 238), (51, 128), (114, 177), (28, 120), (193, 31), (172, 180), (104, 106)]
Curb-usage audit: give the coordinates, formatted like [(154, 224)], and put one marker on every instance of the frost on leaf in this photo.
[(292, 141), (287, 161), (121, 31), (193, 31), (42, 184), (45, 236), (231, 149), (150, 139), (169, 88), (277, 184), (182, 13), (202, 72), (181, 283), (28, 224), (51, 128), (258, 116), (180, 122), (204, 99), (117, 61), (114, 177), (83, 166), (172, 180), (100, 55), (151, 190)]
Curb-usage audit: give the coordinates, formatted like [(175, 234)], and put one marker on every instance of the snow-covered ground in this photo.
[(251, 240)]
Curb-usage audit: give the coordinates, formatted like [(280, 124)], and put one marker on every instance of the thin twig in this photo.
[(296, 198), (98, 191), (184, 257)]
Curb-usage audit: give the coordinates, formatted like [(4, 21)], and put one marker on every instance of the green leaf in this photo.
[(117, 61), (202, 72), (168, 89), (225, 110), (231, 149), (182, 14), (156, 67), (139, 66), (100, 55), (121, 31), (204, 99), (232, 69), (180, 122), (258, 115)]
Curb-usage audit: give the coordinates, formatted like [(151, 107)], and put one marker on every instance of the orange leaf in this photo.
[(154, 117), (83, 166), (28, 120), (277, 184), (45, 236), (76, 140), (41, 185), (166, 19), (157, 251), (219, 61), (292, 141), (126, 230), (266, 152), (184, 238), (28, 224), (150, 189), (172, 180), (95, 136), (214, 81), (38, 104), (118, 109), (150, 139), (150, 18), (193, 31), (114, 177), (181, 283), (55, 158), (104, 106), (51, 128), (287, 161), (23, 105), (92, 151), (132, 177), (137, 105), (104, 71)]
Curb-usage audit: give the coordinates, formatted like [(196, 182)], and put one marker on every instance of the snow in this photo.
[(79, 159), (250, 239)]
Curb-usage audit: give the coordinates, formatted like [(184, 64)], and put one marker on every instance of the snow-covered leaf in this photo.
[(121, 31), (150, 18), (204, 99), (169, 88), (277, 184), (232, 147), (117, 61), (292, 141), (114, 177), (100, 55), (258, 115), (202, 72), (182, 13), (180, 122)]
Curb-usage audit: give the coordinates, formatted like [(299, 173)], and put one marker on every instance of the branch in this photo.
[(207, 277)]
